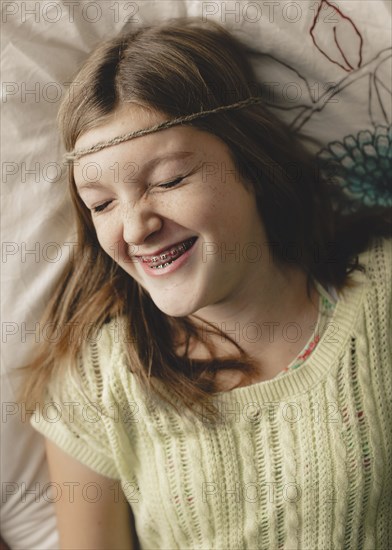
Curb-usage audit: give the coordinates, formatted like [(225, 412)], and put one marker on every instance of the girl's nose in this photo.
[(139, 222)]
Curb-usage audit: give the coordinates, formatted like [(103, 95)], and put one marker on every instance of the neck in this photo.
[(272, 324)]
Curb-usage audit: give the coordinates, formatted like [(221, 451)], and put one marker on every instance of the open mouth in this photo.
[(169, 256)]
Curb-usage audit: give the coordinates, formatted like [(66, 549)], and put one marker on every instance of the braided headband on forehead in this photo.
[(78, 153)]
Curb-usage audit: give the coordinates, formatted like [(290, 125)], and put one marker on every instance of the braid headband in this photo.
[(78, 153)]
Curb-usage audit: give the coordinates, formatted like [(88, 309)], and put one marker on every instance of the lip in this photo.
[(176, 264), (163, 249)]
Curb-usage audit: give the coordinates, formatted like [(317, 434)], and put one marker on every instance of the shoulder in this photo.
[(380, 248), (103, 357), (99, 361), (364, 304), (377, 302), (80, 411), (377, 261)]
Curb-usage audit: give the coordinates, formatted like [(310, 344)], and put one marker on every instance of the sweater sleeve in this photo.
[(78, 412)]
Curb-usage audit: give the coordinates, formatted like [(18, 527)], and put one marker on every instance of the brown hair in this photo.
[(207, 67)]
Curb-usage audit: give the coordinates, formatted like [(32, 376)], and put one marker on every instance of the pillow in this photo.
[(324, 68)]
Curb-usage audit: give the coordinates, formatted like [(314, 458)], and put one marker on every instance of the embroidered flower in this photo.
[(337, 37), (362, 165)]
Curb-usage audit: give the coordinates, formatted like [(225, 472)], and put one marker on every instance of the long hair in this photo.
[(177, 68)]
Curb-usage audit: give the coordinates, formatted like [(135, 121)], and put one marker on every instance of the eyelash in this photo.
[(100, 207), (168, 185)]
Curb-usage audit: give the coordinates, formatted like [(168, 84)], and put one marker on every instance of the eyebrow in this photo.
[(148, 166)]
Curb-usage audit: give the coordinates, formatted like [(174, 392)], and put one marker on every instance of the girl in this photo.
[(219, 361)]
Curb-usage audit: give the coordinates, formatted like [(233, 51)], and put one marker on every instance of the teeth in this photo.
[(172, 254), (161, 266)]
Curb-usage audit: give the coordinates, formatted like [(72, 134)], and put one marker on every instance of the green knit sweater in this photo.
[(303, 461)]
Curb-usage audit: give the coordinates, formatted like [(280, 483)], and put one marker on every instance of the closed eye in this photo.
[(100, 207), (170, 184)]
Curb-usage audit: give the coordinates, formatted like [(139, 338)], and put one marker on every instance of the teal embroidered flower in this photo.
[(362, 165)]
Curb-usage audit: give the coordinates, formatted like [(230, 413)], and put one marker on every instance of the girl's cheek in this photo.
[(110, 239)]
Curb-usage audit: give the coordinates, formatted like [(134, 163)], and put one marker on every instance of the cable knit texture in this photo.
[(303, 461)]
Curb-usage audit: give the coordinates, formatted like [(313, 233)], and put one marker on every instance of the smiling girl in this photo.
[(221, 346)]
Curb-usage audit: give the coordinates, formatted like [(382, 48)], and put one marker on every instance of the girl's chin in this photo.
[(175, 308), (172, 311)]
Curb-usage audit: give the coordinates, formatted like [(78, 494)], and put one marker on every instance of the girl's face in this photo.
[(171, 210)]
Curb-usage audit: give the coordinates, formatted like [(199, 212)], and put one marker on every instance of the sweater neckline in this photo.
[(325, 303), (321, 361)]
